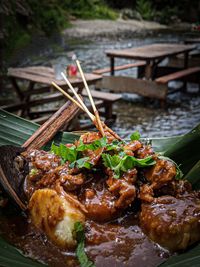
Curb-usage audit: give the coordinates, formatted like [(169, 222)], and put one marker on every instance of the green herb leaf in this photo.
[(123, 164), (99, 143), (135, 136), (66, 153), (80, 251), (115, 145), (33, 171), (84, 163), (179, 173)]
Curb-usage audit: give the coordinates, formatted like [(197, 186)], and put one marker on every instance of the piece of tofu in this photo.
[(54, 215)]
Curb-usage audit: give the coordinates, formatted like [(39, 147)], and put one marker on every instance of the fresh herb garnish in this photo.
[(66, 153), (135, 136), (33, 171), (120, 164), (115, 145), (80, 250), (99, 143), (82, 163), (179, 173)]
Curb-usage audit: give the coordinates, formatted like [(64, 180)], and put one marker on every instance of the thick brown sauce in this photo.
[(121, 243)]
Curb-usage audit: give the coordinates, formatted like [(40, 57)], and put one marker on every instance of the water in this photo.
[(134, 112)]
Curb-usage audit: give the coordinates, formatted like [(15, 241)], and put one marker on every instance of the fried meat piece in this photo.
[(131, 147), (42, 160), (159, 175), (172, 222), (123, 189)]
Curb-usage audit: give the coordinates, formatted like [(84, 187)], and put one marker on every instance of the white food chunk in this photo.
[(54, 215)]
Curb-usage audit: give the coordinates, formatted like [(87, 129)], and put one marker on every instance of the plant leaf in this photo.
[(191, 258), (80, 250), (135, 136), (10, 256)]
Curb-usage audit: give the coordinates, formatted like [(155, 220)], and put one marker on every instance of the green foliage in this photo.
[(80, 250), (167, 14), (135, 136), (90, 9), (145, 8), (23, 18), (120, 164)]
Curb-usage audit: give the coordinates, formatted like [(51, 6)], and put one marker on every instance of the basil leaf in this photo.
[(80, 251), (135, 136)]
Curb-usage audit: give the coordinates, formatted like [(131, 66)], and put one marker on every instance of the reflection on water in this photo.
[(134, 112)]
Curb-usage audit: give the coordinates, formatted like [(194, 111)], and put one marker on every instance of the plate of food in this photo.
[(94, 199)]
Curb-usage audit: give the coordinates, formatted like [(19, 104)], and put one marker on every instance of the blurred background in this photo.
[(40, 33)]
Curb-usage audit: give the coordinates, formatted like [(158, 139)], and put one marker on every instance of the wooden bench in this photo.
[(108, 99), (179, 75), (122, 67)]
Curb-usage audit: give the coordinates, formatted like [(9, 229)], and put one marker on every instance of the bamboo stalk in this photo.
[(51, 126)]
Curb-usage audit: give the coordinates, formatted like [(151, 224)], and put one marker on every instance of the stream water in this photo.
[(133, 112)]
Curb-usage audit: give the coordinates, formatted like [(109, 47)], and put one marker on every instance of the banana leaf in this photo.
[(182, 149)]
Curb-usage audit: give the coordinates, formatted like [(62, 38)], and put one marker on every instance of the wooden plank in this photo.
[(177, 75), (122, 67), (150, 52), (192, 41), (132, 85), (33, 103), (21, 73), (110, 97)]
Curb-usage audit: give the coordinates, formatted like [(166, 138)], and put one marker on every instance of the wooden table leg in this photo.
[(26, 99), (186, 59), (148, 70), (17, 89), (185, 66), (112, 66)]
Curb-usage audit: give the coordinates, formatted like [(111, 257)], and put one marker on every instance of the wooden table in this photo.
[(43, 76), (192, 40), (153, 54)]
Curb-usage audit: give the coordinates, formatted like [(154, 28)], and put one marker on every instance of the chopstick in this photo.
[(96, 113), (82, 106)]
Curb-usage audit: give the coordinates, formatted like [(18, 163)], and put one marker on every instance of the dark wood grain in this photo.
[(122, 67), (151, 52), (46, 132), (45, 75), (177, 75)]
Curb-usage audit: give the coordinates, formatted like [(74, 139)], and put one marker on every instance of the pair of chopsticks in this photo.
[(94, 118)]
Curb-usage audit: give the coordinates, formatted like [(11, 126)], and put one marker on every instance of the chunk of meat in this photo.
[(172, 222), (163, 172), (123, 188), (144, 151), (133, 146), (42, 160), (94, 155), (88, 138), (99, 202), (70, 179)]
